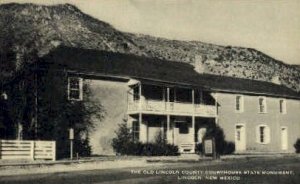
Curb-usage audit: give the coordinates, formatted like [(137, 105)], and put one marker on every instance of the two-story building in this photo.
[(155, 96)]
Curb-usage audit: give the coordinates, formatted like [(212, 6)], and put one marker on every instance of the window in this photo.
[(239, 103), (75, 88), (135, 131), (282, 106), (136, 94), (262, 105), (263, 134)]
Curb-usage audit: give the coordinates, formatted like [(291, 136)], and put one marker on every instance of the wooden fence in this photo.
[(33, 150)]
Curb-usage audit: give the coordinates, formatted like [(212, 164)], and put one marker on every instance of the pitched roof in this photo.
[(117, 64)]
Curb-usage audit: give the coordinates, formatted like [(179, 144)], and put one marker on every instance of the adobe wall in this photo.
[(113, 97), (251, 118)]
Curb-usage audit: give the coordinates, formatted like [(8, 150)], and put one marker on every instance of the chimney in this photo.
[(276, 80), (199, 66)]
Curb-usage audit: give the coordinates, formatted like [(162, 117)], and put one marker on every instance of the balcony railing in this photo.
[(157, 106)]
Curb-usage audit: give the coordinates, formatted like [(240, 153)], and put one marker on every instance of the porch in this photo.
[(162, 100), (183, 131)]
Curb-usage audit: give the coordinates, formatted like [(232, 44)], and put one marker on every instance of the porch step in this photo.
[(187, 148)]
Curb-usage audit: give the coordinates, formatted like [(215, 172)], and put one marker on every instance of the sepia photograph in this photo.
[(149, 91)]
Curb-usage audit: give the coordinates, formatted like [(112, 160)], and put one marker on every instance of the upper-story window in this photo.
[(239, 103), (136, 93), (75, 88), (262, 104), (263, 134), (282, 106)]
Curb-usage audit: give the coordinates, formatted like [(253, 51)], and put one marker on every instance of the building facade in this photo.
[(259, 123), (171, 99)]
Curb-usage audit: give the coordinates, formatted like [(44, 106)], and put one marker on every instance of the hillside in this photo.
[(29, 31)]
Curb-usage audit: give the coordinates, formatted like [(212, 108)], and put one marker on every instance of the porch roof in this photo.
[(156, 70)]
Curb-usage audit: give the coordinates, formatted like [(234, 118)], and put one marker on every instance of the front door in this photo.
[(240, 138), (284, 138)]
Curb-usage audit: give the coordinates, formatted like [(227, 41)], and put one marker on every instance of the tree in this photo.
[(121, 143), (40, 103), (56, 114), (7, 129)]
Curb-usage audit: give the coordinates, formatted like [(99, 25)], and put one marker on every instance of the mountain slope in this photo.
[(29, 31)]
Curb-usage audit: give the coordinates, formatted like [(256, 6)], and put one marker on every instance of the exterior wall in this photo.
[(113, 97), (251, 118), (153, 131)]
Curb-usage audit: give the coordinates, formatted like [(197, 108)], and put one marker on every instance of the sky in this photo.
[(271, 26)]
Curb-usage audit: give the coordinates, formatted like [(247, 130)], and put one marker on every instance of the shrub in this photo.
[(222, 146), (160, 147), (199, 148), (229, 148), (154, 149), (297, 146), (124, 145)]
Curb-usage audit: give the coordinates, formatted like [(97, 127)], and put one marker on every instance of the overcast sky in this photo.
[(271, 26)]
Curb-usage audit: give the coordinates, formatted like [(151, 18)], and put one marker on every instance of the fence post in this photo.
[(53, 150), (32, 150)]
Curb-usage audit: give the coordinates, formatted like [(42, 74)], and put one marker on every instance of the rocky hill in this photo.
[(29, 31)]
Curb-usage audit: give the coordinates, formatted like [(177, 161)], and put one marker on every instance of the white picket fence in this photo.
[(33, 150)]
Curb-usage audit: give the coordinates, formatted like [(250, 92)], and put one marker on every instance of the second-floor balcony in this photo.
[(149, 98), (173, 108), (155, 99)]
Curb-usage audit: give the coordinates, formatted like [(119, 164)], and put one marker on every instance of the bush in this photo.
[(160, 147), (199, 148), (154, 149), (229, 148), (223, 147), (124, 145), (297, 146)]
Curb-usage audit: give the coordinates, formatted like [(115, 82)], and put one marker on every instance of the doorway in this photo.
[(240, 137), (284, 138)]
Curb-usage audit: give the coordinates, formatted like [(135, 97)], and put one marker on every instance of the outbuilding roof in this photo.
[(153, 69)]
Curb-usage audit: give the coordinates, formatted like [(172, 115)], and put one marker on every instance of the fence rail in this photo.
[(33, 150)]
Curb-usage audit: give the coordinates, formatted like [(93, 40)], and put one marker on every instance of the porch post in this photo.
[(142, 132), (163, 94), (193, 96), (193, 132), (168, 129), (168, 94), (175, 95), (201, 97), (168, 99), (216, 104), (193, 118), (140, 96), (193, 99)]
